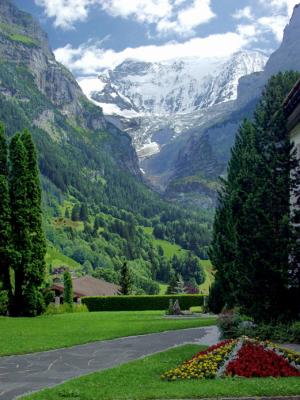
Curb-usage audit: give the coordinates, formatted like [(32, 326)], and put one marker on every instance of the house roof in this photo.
[(293, 98), (291, 106), (89, 286)]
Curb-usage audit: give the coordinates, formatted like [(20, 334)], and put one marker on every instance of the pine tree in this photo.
[(83, 214), (171, 289), (68, 288), (231, 197), (180, 285), (75, 212), (126, 280), (252, 231), (67, 213), (5, 230)]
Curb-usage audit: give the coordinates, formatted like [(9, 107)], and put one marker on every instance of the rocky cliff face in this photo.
[(24, 51), (285, 58)]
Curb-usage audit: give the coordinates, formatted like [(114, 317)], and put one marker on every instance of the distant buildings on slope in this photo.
[(87, 286)]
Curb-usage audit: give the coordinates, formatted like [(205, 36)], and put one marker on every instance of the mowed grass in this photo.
[(140, 380), (25, 335)]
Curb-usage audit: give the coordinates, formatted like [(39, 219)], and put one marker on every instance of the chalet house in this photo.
[(292, 110), (87, 286)]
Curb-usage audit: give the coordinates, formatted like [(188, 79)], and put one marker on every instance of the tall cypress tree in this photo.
[(68, 288), (126, 280), (35, 272), (5, 231), (19, 219)]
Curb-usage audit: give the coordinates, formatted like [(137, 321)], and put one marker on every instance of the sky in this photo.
[(91, 35)]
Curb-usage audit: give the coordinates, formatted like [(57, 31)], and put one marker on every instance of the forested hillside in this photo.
[(86, 164)]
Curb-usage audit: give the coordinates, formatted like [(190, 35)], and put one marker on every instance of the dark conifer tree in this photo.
[(5, 230), (126, 280), (252, 231), (27, 233), (83, 214), (36, 274), (75, 212), (19, 220), (67, 213), (68, 288)]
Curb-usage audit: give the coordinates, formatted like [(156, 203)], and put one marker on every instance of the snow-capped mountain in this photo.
[(170, 96)]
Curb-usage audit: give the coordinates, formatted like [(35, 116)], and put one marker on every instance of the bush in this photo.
[(65, 308), (3, 302), (228, 323), (140, 303), (278, 332), (295, 332)]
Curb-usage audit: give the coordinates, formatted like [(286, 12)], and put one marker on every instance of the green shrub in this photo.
[(295, 332), (140, 303), (278, 333), (228, 323), (65, 308), (3, 302)]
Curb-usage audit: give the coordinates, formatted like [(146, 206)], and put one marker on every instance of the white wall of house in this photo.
[(295, 137)]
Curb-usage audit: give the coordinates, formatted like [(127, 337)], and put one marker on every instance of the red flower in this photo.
[(253, 360)]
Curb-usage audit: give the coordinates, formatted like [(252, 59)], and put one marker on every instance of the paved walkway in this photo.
[(295, 347), (31, 372)]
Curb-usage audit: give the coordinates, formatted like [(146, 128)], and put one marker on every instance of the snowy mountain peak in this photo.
[(143, 97), (176, 86)]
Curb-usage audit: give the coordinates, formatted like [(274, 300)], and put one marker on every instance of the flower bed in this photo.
[(254, 360), (204, 364), (240, 357)]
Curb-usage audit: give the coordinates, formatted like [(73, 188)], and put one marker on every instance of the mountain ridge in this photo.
[(144, 97)]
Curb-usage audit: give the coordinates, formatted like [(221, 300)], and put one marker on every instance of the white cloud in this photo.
[(285, 6), (274, 24), (66, 12), (249, 31), (278, 15), (187, 19), (169, 16), (245, 13), (91, 59), (150, 11)]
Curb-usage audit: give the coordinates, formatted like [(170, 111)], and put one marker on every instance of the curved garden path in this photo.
[(31, 372)]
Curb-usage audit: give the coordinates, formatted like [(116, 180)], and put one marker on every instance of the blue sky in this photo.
[(90, 35)]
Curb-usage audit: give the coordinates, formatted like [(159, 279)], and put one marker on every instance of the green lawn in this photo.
[(25, 335), (140, 380)]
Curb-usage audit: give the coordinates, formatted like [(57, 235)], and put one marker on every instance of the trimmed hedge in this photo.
[(141, 303)]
